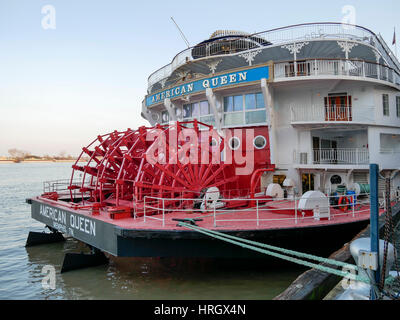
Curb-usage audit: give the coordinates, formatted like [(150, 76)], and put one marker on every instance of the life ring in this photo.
[(346, 200)]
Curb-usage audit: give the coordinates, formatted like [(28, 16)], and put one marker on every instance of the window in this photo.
[(278, 178), (155, 116), (164, 117), (338, 107), (336, 179), (259, 142), (234, 143), (200, 111), (244, 109), (233, 103), (385, 102), (398, 106)]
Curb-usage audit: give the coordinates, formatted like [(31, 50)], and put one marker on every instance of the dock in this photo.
[(317, 285)]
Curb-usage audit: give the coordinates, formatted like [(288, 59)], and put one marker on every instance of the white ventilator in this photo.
[(289, 185), (210, 200), (316, 201), (274, 190), (356, 188)]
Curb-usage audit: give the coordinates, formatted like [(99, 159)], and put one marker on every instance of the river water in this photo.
[(22, 270)]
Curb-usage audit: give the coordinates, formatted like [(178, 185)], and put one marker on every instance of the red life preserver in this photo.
[(346, 200)]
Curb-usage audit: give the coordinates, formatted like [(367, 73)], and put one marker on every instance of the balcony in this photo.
[(340, 156), (305, 114), (335, 67)]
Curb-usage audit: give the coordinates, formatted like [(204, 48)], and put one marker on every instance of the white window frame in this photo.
[(243, 111), (210, 114), (383, 105)]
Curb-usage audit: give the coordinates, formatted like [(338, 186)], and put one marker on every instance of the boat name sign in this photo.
[(67, 222), (238, 77)]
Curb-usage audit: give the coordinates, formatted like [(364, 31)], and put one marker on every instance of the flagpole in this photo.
[(395, 41)]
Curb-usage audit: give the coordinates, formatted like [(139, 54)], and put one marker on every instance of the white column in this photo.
[(170, 108), (212, 101), (147, 114), (268, 101)]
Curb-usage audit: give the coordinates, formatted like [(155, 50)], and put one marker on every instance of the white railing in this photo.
[(61, 186), (278, 36), (341, 156), (389, 151), (319, 113), (335, 67), (156, 209)]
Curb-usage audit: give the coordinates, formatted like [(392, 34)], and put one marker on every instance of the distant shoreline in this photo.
[(36, 161)]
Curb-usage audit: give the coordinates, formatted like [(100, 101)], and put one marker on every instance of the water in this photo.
[(123, 278)]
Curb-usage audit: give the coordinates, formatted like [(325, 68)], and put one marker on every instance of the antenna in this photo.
[(183, 36)]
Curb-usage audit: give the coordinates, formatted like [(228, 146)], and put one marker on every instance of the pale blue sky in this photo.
[(60, 88)]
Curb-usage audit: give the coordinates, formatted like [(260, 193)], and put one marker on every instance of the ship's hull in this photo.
[(321, 239)]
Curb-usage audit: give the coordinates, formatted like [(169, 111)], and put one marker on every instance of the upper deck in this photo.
[(297, 51)]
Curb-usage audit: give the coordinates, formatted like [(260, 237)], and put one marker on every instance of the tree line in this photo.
[(18, 155)]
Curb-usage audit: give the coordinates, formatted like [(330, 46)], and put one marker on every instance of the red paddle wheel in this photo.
[(170, 162)]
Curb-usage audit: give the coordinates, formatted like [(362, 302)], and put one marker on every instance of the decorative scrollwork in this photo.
[(249, 56), (346, 46), (213, 65), (295, 47)]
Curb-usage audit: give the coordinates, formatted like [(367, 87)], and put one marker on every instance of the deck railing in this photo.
[(335, 67), (389, 151), (278, 36), (156, 209), (61, 186), (338, 156), (332, 113), (341, 156)]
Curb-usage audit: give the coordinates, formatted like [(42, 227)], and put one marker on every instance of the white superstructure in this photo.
[(331, 101)]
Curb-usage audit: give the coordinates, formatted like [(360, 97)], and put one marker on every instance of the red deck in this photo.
[(274, 215)]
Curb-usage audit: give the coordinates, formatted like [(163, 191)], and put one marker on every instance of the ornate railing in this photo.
[(335, 67), (300, 32)]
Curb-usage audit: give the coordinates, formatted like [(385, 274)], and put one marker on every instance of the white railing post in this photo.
[(353, 203), (163, 213), (257, 213), (357, 160), (144, 209), (215, 221), (315, 67), (295, 210), (363, 69), (378, 72)]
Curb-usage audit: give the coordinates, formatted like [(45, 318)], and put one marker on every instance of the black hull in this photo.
[(120, 242), (321, 240)]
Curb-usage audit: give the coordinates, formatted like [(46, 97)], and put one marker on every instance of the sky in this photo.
[(81, 69)]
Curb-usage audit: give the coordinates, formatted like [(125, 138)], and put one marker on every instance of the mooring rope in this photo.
[(240, 242), (286, 251)]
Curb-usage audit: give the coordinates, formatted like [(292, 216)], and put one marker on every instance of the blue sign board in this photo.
[(217, 81)]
